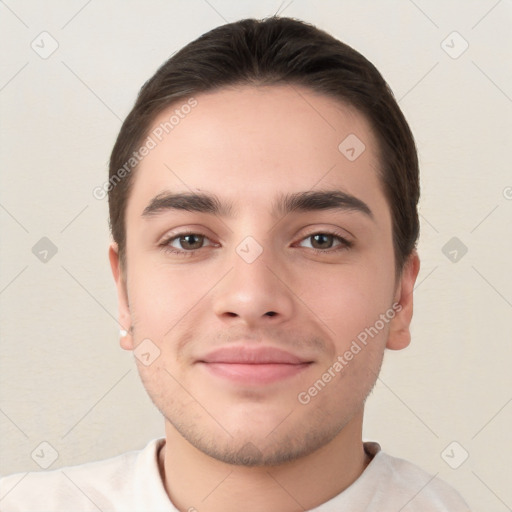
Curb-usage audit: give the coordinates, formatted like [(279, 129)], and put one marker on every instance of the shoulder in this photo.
[(418, 489), (104, 485)]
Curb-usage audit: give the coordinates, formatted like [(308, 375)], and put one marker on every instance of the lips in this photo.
[(253, 366), (246, 355)]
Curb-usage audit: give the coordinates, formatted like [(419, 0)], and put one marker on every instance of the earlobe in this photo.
[(126, 339), (399, 332)]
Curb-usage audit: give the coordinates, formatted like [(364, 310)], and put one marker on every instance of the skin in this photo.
[(227, 443)]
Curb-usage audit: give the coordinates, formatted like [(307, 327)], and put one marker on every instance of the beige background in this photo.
[(64, 379)]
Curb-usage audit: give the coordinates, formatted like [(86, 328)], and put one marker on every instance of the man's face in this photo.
[(254, 279)]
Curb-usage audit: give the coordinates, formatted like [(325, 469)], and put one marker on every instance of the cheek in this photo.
[(348, 299), (161, 295)]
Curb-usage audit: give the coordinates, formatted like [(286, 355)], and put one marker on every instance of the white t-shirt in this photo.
[(131, 482)]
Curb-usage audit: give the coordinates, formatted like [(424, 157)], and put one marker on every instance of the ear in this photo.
[(122, 296), (399, 333)]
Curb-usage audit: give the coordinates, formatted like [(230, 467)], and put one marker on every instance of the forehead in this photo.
[(250, 141)]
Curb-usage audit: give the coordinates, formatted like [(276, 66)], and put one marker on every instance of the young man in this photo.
[(263, 195)]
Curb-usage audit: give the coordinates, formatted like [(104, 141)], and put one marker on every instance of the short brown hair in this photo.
[(277, 51)]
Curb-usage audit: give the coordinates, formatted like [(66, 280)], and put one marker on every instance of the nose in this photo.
[(255, 293)]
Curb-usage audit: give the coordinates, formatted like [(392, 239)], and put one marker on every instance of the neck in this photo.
[(195, 481)]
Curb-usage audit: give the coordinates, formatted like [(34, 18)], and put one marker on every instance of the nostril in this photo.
[(270, 313)]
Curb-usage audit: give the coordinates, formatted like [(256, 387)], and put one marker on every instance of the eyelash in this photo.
[(345, 244)]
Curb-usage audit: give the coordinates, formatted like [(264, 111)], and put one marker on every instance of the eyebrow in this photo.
[(203, 202)]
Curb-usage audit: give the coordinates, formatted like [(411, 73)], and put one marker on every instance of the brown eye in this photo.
[(322, 241), (186, 244), (191, 242), (325, 242)]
